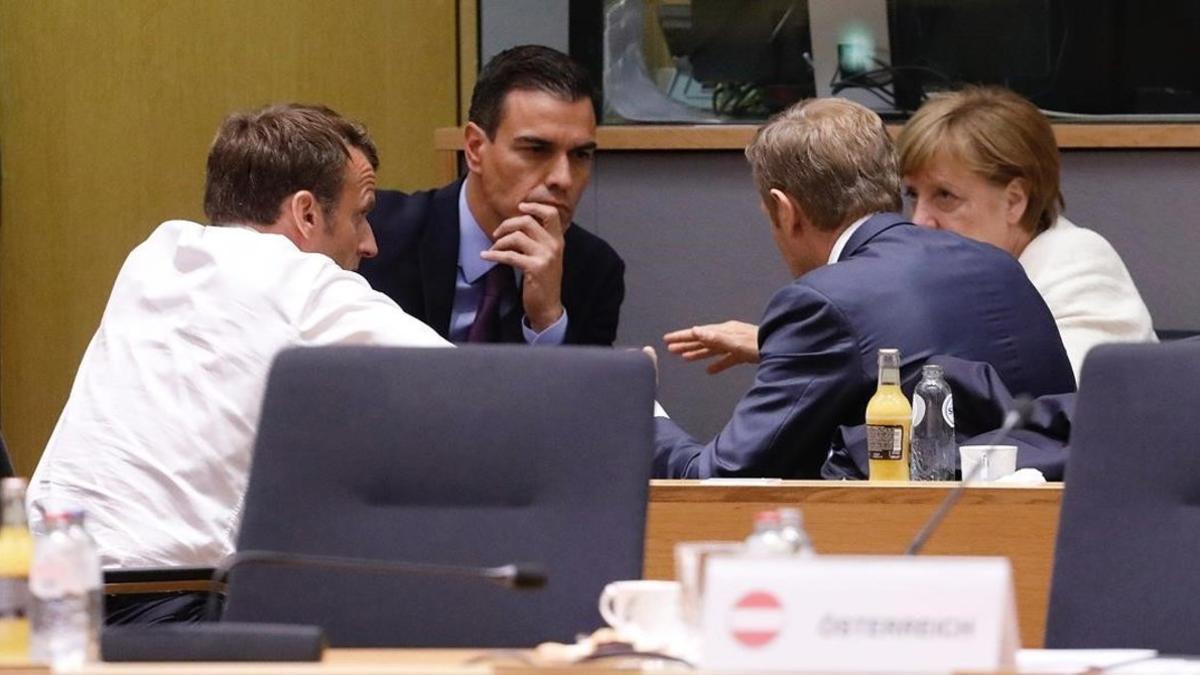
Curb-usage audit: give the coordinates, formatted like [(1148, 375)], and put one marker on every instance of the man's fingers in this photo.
[(514, 259), (524, 225), (681, 334), (683, 346), (547, 215)]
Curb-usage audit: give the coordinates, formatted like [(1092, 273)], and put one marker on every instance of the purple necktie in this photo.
[(497, 283)]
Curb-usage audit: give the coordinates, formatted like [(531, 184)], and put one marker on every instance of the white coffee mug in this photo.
[(998, 460), (644, 612)]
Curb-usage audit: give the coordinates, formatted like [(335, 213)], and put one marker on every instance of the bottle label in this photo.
[(14, 597), (918, 405), (885, 441), (948, 410)]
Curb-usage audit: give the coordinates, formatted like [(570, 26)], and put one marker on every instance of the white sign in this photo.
[(858, 613)]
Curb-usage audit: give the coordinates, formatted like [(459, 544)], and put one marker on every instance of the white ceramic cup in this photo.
[(644, 612), (998, 460)]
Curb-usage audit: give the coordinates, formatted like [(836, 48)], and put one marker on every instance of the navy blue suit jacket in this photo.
[(417, 266), (922, 291)]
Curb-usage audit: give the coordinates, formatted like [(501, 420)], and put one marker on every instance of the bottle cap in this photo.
[(931, 372), (766, 518), (889, 358)]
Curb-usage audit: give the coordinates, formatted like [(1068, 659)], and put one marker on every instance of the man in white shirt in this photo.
[(156, 437)]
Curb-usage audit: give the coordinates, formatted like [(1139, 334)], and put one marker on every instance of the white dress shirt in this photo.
[(844, 238), (156, 436), (1087, 288)]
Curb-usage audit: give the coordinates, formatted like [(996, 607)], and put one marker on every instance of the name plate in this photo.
[(858, 613)]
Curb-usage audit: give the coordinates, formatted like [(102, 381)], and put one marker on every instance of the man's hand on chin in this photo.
[(533, 243)]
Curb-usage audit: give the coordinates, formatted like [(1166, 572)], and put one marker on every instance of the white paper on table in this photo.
[(1078, 660), (1160, 666)]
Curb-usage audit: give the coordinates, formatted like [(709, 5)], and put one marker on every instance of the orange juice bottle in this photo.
[(889, 422), (16, 551)]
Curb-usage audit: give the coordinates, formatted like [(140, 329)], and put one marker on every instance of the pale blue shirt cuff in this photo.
[(554, 334)]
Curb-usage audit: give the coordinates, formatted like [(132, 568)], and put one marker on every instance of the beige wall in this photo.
[(106, 111)]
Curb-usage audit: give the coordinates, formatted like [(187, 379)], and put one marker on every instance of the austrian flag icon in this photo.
[(756, 619)]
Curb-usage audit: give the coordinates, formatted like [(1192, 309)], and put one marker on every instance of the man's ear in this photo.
[(475, 142), (1016, 200), (304, 211), (785, 213)]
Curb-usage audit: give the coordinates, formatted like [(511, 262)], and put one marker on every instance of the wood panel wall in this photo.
[(106, 112)]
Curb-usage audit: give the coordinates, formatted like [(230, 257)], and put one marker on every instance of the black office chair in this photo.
[(1125, 569), (1172, 334), (475, 456)]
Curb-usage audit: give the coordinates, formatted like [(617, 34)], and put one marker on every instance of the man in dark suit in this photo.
[(495, 257), (865, 279)]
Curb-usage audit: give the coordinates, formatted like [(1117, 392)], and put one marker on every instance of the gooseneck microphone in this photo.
[(514, 575), (225, 641), (1016, 417)]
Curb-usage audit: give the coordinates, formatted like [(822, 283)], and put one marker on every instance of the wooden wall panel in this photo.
[(106, 112)]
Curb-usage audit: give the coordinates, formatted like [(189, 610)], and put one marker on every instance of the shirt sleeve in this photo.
[(809, 374), (555, 333)]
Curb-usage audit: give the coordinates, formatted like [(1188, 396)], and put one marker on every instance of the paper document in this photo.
[(1079, 660)]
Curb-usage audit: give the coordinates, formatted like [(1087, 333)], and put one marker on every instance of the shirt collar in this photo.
[(471, 241), (845, 237)]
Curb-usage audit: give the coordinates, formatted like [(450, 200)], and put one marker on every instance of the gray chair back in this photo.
[(1125, 569), (474, 456)]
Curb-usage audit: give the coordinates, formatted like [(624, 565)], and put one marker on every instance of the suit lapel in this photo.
[(439, 258), (869, 230)]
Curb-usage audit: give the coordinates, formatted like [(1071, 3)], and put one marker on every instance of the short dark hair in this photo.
[(526, 68), (260, 157)]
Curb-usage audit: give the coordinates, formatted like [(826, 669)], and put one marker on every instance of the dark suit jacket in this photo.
[(981, 400), (922, 291), (417, 266)]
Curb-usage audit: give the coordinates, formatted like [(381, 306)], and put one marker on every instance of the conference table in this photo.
[(853, 517), (842, 517), (385, 662)]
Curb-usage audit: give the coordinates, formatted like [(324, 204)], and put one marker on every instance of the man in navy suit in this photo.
[(495, 257), (865, 279)]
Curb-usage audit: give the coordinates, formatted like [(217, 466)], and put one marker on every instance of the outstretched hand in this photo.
[(731, 343)]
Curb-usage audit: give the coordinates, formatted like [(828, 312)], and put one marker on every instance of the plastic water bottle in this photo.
[(933, 443), (779, 532), (66, 582), (767, 538), (791, 529)]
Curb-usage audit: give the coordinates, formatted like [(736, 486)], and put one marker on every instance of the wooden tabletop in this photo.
[(380, 662), (862, 517)]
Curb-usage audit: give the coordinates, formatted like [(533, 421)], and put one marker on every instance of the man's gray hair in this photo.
[(833, 157)]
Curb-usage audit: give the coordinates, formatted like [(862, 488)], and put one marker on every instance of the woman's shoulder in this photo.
[(1064, 238), (1066, 233)]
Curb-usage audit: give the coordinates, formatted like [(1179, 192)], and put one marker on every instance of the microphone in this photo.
[(1017, 416), (513, 575), (229, 641)]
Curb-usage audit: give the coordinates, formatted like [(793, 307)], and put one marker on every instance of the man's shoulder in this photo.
[(398, 203)]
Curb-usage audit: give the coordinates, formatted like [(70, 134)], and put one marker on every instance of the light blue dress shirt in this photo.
[(468, 285)]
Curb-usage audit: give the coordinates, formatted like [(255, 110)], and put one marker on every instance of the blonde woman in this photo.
[(983, 162)]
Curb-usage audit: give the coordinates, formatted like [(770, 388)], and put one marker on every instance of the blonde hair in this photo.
[(832, 156), (998, 135)]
